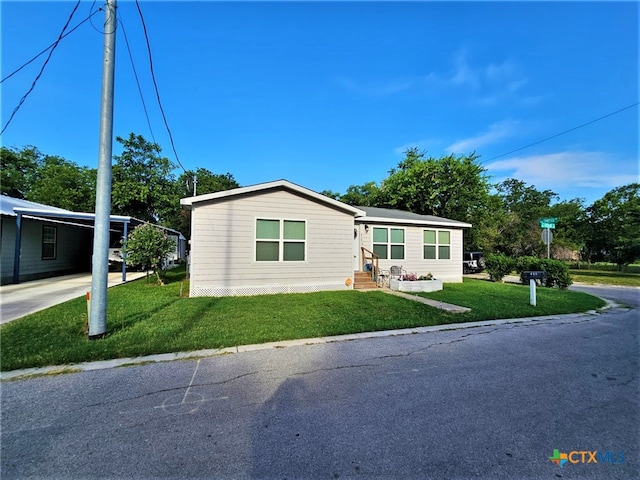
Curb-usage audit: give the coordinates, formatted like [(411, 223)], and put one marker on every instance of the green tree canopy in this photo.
[(614, 226), (149, 245), (17, 168), (47, 179), (64, 184), (450, 186), (523, 206), (143, 183), (366, 195)]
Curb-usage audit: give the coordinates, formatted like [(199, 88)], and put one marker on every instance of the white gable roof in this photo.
[(189, 202)]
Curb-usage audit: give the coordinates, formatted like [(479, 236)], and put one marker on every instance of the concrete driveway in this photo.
[(16, 301)]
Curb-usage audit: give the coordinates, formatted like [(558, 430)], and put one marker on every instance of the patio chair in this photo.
[(396, 272)]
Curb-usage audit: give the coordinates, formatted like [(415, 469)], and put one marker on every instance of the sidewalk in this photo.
[(24, 298)]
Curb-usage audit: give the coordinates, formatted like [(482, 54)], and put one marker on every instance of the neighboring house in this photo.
[(53, 241), (279, 237), (49, 246)]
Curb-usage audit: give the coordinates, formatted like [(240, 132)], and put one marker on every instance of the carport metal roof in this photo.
[(19, 208)]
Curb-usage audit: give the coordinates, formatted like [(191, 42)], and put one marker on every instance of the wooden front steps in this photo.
[(363, 280)]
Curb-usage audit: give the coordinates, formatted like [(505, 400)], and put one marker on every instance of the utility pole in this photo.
[(195, 185), (100, 267)]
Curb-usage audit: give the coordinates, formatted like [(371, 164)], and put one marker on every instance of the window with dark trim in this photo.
[(49, 242)]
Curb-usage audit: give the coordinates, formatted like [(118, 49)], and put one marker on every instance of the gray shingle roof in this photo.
[(393, 214)]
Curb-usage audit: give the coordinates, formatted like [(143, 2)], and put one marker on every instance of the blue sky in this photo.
[(330, 94)]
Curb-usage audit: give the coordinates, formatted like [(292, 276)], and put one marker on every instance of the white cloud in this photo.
[(496, 132), (567, 169)]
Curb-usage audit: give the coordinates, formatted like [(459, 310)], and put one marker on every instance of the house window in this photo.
[(437, 245), (388, 243), (49, 241), (280, 240)]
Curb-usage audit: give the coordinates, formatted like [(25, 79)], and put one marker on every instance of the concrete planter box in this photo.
[(415, 286)]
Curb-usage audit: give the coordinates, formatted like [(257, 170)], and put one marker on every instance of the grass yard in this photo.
[(606, 277), (146, 319)]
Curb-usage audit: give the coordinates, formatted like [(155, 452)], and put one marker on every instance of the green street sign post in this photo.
[(548, 223)]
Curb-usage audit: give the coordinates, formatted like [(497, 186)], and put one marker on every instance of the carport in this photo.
[(119, 223)]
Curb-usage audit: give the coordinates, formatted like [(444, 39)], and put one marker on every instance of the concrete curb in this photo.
[(169, 357)]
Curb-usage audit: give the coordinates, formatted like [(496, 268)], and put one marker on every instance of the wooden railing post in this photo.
[(375, 268)]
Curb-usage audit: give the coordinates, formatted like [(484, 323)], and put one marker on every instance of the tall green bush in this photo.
[(499, 265), (557, 271)]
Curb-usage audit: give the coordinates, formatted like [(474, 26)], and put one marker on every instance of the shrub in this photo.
[(499, 265), (557, 271)]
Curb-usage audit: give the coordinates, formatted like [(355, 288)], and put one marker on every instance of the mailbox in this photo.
[(534, 275)]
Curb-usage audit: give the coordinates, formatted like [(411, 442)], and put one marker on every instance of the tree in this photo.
[(48, 179), (149, 245), (523, 205), (450, 186), (614, 226), (61, 183), (143, 184), (17, 168), (207, 182), (367, 195), (570, 234)]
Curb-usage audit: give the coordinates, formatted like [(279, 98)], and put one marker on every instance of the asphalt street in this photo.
[(489, 402)]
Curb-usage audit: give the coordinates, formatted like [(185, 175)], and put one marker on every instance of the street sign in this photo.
[(549, 222), (547, 236)]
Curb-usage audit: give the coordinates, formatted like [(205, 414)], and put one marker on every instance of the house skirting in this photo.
[(265, 289)]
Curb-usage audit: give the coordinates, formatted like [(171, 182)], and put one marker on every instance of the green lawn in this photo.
[(606, 277), (145, 319)]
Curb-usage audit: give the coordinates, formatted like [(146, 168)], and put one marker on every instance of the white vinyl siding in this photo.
[(223, 245), (447, 270)]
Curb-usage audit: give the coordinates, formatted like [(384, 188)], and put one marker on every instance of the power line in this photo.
[(566, 131), (135, 74), (49, 47), (153, 77), (33, 85)]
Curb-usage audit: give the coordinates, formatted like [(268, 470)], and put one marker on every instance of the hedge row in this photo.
[(499, 265)]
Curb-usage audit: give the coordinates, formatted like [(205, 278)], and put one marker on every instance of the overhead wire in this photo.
[(49, 47), (565, 132), (155, 84), (51, 50), (135, 74)]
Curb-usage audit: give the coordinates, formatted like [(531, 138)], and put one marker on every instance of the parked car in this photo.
[(473, 262)]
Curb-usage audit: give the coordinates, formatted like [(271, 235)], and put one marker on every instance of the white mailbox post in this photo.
[(533, 276)]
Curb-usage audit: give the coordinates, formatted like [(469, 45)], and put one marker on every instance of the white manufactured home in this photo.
[(279, 237)]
